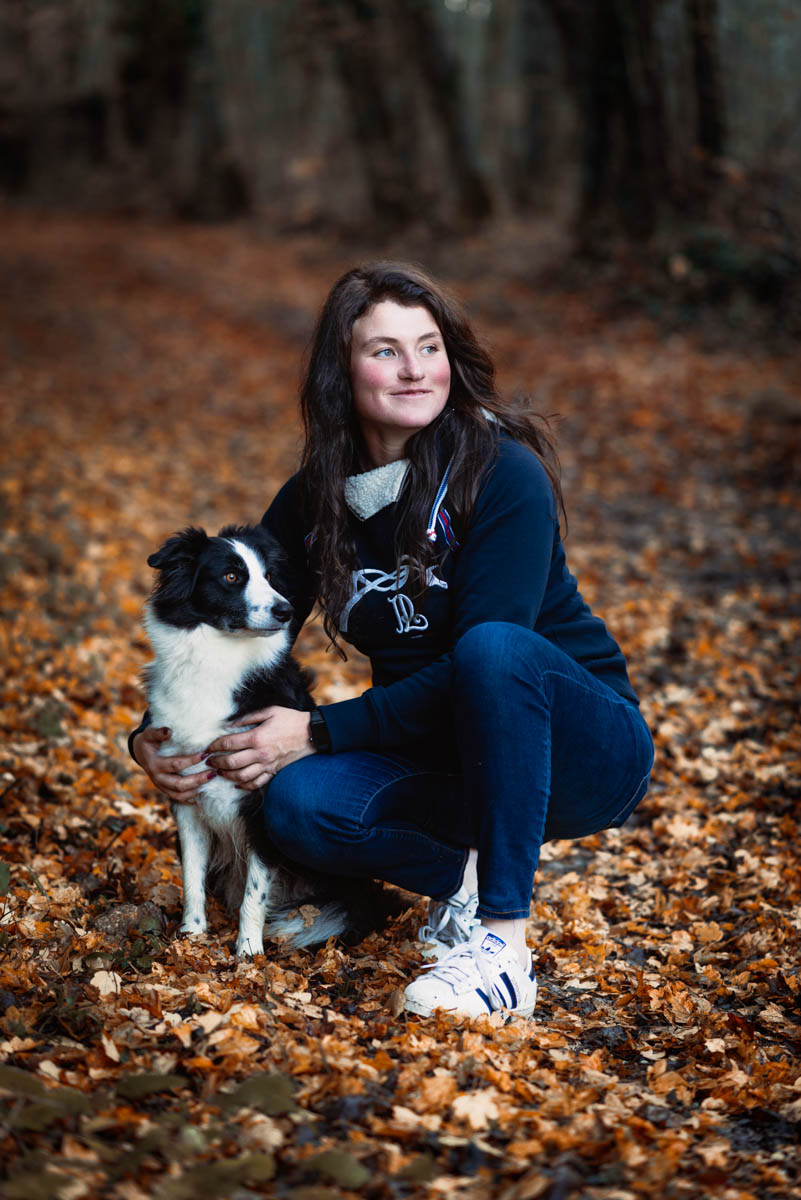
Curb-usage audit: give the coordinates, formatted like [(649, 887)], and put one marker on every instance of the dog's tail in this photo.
[(351, 910), (331, 920)]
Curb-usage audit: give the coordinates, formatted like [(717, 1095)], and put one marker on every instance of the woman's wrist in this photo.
[(134, 734), (319, 735), (132, 746)]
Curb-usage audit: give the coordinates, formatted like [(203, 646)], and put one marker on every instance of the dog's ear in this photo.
[(180, 547), (177, 560)]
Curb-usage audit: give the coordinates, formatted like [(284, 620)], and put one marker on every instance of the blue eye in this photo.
[(430, 349), (386, 350)]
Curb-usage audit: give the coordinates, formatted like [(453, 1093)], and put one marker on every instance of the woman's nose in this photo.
[(410, 368)]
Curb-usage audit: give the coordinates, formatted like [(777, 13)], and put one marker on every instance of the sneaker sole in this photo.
[(421, 1010)]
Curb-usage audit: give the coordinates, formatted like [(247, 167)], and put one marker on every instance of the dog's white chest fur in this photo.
[(195, 675)]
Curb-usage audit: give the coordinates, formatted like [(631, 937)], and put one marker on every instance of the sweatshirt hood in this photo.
[(367, 493)]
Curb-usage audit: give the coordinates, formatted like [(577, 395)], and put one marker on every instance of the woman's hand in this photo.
[(165, 770), (279, 736)]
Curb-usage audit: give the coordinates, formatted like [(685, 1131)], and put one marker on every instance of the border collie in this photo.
[(219, 627)]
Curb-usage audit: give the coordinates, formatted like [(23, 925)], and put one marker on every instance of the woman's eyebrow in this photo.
[(424, 337)]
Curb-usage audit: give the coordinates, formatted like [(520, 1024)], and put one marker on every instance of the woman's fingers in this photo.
[(245, 776), (183, 788), (256, 781), (166, 771), (259, 772), (254, 771), (227, 763), (188, 783), (179, 797), (260, 781), (149, 756), (232, 741), (178, 763), (156, 733), (249, 759), (254, 718)]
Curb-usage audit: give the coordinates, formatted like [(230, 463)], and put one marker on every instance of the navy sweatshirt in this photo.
[(510, 566)]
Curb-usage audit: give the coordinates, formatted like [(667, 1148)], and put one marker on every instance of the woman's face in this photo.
[(400, 375)]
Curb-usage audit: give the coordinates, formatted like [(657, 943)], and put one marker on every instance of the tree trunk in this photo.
[(400, 82), (702, 19), (611, 64), (538, 45), (439, 75), (643, 109), (169, 116), (364, 72), (504, 162)]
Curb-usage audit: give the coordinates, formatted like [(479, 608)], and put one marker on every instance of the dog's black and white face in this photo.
[(229, 581)]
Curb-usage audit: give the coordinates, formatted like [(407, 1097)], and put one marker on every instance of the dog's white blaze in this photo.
[(260, 596)]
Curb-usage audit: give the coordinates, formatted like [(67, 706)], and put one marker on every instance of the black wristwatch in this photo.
[(319, 736)]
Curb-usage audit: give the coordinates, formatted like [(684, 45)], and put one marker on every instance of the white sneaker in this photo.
[(481, 976), (450, 923)]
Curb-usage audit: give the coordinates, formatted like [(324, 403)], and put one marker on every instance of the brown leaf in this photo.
[(477, 1108)]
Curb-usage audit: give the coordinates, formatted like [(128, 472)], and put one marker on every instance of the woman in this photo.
[(424, 519)]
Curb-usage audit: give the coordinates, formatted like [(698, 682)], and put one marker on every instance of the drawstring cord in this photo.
[(431, 531)]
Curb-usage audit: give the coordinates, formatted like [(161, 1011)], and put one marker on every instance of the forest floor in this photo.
[(148, 377)]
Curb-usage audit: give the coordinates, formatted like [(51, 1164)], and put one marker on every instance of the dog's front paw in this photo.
[(248, 944), (192, 926)]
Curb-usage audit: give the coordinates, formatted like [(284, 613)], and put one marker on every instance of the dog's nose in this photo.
[(282, 611)]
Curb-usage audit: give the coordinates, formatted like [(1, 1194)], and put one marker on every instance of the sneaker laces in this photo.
[(446, 916), (459, 967), (439, 914)]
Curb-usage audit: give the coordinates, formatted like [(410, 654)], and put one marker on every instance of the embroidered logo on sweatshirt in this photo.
[(372, 579)]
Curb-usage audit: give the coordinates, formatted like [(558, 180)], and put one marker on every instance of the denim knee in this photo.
[(299, 815), (482, 652), (289, 812)]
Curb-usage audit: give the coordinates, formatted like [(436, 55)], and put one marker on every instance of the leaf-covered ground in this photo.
[(148, 379)]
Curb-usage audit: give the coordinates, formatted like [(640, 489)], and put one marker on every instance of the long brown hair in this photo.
[(466, 430)]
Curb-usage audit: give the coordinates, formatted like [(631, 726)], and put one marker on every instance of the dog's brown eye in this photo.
[(230, 576), (267, 576)]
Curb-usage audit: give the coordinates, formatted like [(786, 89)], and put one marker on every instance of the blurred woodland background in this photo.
[(674, 119)]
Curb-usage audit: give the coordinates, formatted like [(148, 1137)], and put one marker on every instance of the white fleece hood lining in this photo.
[(366, 494)]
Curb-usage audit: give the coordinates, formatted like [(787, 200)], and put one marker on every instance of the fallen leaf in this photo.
[(146, 1083), (107, 982), (270, 1093), (109, 1047), (340, 1167), (477, 1108)]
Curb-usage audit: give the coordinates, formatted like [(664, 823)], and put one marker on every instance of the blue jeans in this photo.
[(540, 749)]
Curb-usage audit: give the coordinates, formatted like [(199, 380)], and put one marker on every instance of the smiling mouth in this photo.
[(411, 392)]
